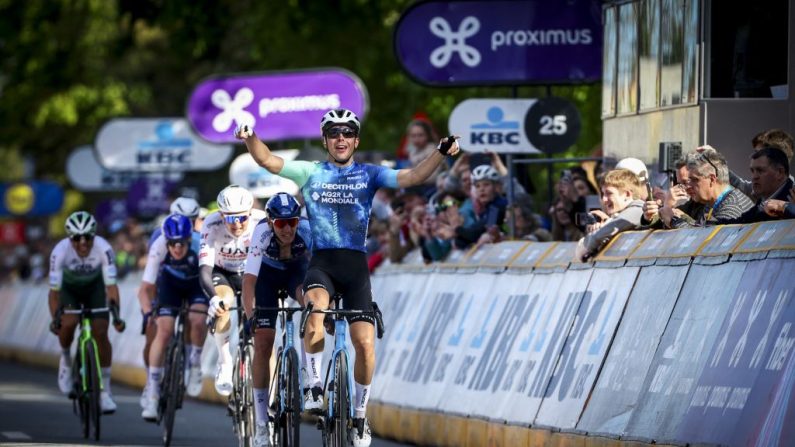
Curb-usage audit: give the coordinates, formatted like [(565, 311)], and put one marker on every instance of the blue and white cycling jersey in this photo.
[(160, 262), (265, 249), (338, 199)]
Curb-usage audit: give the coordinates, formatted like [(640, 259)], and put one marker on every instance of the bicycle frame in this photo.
[(340, 349), (288, 337), (86, 337)]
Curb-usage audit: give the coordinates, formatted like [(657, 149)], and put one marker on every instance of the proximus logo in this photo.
[(232, 109), (455, 42)]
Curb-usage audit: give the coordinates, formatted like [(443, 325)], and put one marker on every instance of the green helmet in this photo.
[(80, 222)]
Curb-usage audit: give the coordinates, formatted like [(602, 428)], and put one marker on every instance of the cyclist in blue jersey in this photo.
[(184, 206), (172, 271), (277, 260), (338, 195)]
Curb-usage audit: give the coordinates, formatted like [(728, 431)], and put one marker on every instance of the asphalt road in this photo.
[(33, 411)]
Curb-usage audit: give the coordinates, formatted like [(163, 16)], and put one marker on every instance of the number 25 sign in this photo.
[(516, 125)]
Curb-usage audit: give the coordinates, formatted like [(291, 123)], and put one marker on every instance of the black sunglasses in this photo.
[(346, 132), (704, 156), (78, 237), (175, 242)]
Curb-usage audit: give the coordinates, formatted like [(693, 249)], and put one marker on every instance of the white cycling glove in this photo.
[(216, 308)]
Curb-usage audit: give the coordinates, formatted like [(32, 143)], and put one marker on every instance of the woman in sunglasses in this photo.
[(226, 236), (277, 260), (172, 272), (83, 271)]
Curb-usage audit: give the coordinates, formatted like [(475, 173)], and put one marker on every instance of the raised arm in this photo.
[(259, 150), (418, 174)]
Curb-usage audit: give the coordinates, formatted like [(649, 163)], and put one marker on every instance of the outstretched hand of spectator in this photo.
[(774, 207)]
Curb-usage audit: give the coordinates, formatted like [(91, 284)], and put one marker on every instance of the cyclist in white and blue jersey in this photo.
[(172, 272), (184, 206), (277, 260), (338, 195)]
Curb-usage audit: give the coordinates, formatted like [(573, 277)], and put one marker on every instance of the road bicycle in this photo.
[(86, 371), (172, 388), (288, 384), (241, 400), (338, 416)]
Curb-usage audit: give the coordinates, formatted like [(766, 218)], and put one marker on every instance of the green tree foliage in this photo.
[(67, 66)]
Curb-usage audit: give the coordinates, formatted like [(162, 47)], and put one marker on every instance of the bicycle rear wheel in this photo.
[(339, 425), (93, 391), (174, 381), (290, 429)]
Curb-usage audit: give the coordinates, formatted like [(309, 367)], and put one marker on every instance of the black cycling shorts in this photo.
[(269, 281), (345, 272), (222, 277), (172, 291)]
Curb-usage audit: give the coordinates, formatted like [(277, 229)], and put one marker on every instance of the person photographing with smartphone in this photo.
[(622, 210)]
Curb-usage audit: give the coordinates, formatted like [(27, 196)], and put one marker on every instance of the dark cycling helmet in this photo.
[(282, 206), (177, 227), (339, 117)]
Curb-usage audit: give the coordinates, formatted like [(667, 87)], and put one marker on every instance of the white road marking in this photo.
[(16, 436)]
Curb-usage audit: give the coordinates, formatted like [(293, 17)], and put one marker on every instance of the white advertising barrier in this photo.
[(469, 331), (560, 305), (157, 144), (586, 345), (402, 368), (618, 388), (493, 372), (244, 171)]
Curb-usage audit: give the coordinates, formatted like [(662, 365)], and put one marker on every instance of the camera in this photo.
[(584, 219)]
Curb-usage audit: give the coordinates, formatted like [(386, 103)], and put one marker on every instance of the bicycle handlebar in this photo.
[(113, 308), (339, 313)]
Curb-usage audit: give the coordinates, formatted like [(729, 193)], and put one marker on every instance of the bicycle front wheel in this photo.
[(291, 419), (339, 426), (93, 390), (79, 392), (172, 388), (244, 396)]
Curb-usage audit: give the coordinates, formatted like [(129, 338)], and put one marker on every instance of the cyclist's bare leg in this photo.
[(222, 324), (314, 336), (149, 334), (99, 328), (198, 325), (165, 329), (263, 346), (363, 339), (67, 333)]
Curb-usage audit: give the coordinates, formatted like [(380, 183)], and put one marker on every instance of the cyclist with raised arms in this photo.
[(277, 260), (338, 195), (83, 271), (188, 207), (226, 236), (172, 273)]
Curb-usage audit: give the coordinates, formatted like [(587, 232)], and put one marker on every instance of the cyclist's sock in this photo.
[(222, 341), (261, 400), (106, 379), (195, 355), (153, 381), (362, 397), (313, 367), (66, 356)]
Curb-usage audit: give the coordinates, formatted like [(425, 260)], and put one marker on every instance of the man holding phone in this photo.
[(677, 201)]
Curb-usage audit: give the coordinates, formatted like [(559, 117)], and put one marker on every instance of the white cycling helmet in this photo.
[(485, 172), (185, 206), (235, 199), (338, 117), (80, 222), (636, 166)]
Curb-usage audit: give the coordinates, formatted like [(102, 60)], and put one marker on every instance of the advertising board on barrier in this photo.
[(157, 144), (741, 397), (244, 171), (684, 348), (501, 42), (31, 199), (278, 106), (618, 388)]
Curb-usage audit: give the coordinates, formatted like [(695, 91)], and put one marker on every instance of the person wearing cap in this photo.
[(639, 169)]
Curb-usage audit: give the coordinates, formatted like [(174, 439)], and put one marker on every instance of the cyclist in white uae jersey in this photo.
[(226, 237), (82, 271), (338, 196)]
